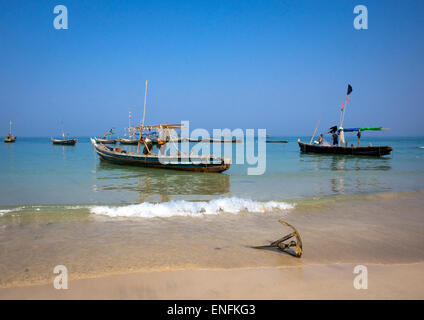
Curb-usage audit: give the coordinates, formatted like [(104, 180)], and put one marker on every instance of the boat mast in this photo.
[(129, 124), (10, 127), (63, 133), (349, 90), (142, 122), (315, 131)]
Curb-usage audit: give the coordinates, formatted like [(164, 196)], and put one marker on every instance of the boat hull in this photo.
[(153, 161), (9, 140), (375, 151), (68, 142)]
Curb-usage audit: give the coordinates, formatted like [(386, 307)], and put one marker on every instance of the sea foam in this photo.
[(4, 211), (190, 208)]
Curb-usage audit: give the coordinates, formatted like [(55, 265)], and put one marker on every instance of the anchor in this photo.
[(285, 247)]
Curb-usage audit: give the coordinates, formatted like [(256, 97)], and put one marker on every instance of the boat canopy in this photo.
[(160, 126), (363, 129)]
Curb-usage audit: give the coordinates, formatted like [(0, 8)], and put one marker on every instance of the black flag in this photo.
[(349, 89), (333, 129)]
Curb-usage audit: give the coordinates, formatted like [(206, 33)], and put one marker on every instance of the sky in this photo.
[(278, 65)]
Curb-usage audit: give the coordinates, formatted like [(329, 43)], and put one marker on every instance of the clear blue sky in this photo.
[(279, 65)]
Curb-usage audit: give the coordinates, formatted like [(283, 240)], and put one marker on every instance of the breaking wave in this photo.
[(189, 208), (4, 211)]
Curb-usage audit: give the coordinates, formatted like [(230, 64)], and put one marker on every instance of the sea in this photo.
[(60, 205)]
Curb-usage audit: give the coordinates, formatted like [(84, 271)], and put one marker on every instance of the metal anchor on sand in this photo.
[(284, 246)]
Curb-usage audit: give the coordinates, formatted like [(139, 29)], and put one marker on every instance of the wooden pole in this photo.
[(342, 120), (344, 109), (142, 122), (315, 131), (359, 136)]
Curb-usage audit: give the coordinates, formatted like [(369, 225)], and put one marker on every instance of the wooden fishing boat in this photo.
[(10, 137), (151, 160), (277, 141), (340, 145), (106, 138), (106, 141), (177, 161), (352, 150), (65, 142), (128, 141)]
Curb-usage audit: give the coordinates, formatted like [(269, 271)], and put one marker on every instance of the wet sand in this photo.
[(210, 257)]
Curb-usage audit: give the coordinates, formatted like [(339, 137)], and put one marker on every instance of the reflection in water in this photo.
[(345, 171), (337, 185), (345, 163), (10, 153), (64, 150), (150, 183)]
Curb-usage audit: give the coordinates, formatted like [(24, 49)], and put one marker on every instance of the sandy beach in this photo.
[(335, 281), (382, 232)]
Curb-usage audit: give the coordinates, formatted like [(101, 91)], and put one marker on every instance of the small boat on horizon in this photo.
[(64, 141), (105, 139), (10, 137), (128, 141), (340, 145), (277, 141)]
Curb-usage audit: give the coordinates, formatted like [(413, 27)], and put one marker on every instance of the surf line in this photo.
[(184, 310)]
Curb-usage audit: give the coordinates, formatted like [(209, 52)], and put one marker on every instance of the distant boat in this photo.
[(106, 140), (64, 141), (10, 137), (276, 141), (128, 141), (341, 147)]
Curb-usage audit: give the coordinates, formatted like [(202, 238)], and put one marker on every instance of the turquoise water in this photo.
[(33, 171)]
